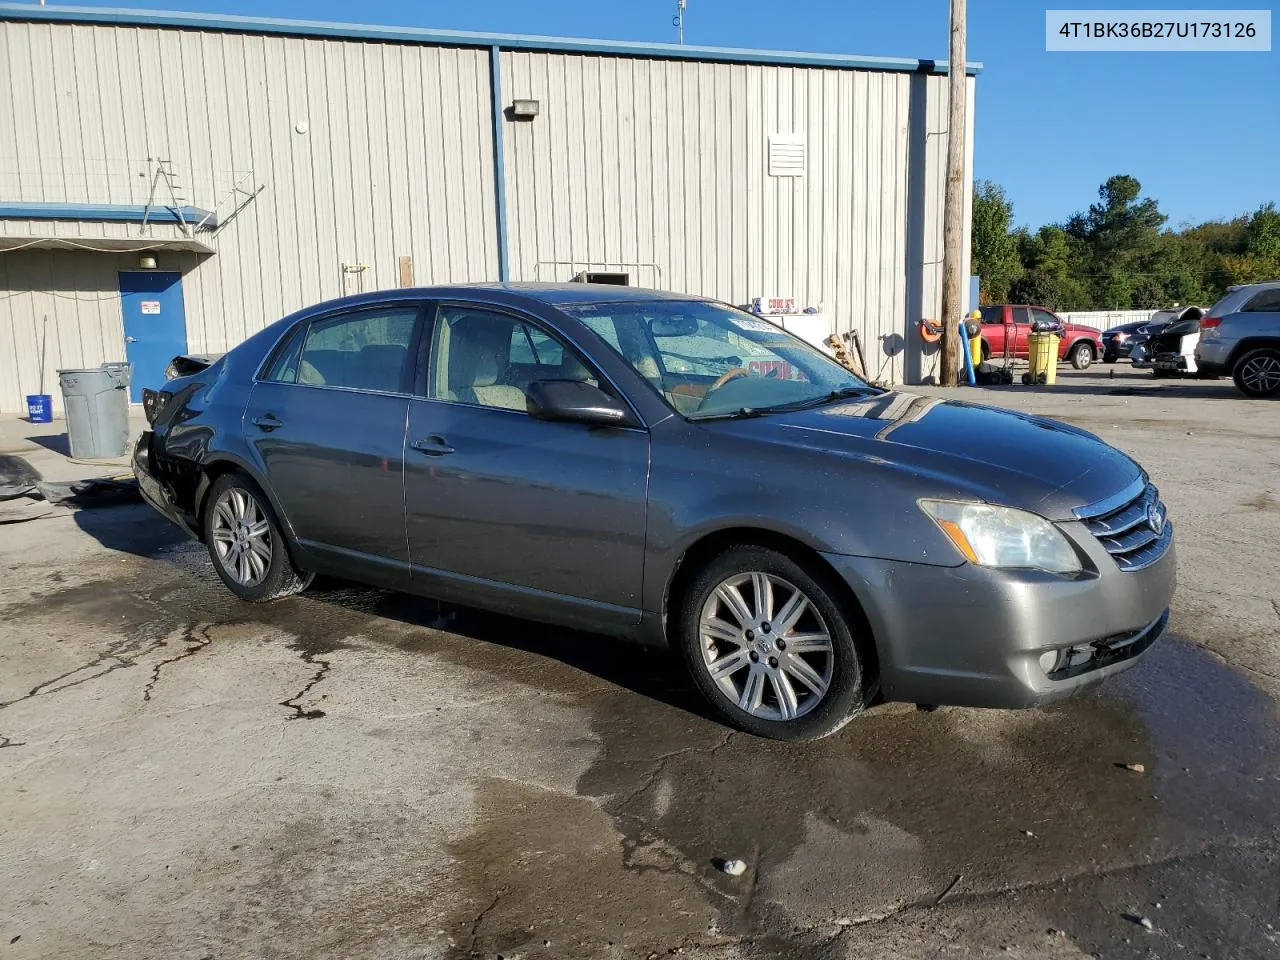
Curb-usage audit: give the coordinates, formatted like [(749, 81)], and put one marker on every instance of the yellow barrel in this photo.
[(1042, 356)]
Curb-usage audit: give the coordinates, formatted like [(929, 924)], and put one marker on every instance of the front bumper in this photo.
[(973, 636), (158, 492)]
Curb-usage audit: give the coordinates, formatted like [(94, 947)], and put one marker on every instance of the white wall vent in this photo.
[(786, 154)]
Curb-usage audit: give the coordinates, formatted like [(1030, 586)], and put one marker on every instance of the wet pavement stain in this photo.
[(879, 818), (299, 711), (193, 641)]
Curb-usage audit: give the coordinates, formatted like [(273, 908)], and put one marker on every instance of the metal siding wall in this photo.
[(639, 162), (80, 297), (397, 161)]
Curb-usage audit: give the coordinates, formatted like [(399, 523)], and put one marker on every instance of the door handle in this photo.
[(268, 422), (433, 446)]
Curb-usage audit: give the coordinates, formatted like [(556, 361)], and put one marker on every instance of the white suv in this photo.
[(1240, 338)]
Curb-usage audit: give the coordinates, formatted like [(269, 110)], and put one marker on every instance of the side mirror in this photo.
[(575, 401)]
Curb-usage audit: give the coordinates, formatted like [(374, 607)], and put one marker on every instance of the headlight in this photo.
[(1121, 337), (1003, 537)]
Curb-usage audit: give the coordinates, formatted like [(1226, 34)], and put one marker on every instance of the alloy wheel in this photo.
[(241, 536), (765, 646), (1261, 374)]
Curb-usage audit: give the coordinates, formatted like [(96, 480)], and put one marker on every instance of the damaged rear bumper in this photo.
[(157, 491)]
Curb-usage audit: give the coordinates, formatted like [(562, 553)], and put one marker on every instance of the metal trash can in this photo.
[(96, 403), (1042, 357)]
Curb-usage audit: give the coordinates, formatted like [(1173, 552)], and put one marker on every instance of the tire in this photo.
[(245, 542), (1257, 373), (823, 686), (1081, 356)]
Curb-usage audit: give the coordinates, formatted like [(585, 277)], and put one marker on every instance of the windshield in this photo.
[(709, 359)]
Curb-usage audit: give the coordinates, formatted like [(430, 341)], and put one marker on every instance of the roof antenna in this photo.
[(678, 20)]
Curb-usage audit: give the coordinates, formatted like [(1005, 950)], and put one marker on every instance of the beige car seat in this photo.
[(476, 350)]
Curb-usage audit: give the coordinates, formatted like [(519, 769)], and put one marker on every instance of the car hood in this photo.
[(958, 449)]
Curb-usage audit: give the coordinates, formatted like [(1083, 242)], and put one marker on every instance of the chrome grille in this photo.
[(1133, 527)]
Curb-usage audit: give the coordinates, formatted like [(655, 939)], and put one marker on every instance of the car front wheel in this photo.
[(1257, 373), (769, 646), (1081, 356), (245, 543)]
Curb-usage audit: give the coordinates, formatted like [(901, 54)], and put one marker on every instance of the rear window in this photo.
[(1268, 301), (1231, 302)]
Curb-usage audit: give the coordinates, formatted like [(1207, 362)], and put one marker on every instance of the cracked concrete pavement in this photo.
[(473, 786)]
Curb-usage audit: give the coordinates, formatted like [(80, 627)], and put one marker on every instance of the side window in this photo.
[(362, 351), (1268, 301), (1044, 316), (531, 345), (993, 314), (489, 359), (284, 365), (1021, 314)]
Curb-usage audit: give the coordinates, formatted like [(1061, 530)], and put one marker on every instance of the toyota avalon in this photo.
[(671, 470)]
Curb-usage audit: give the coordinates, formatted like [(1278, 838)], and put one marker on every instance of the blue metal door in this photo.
[(155, 325)]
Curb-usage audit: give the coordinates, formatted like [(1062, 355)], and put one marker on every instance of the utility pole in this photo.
[(953, 205), (678, 20)]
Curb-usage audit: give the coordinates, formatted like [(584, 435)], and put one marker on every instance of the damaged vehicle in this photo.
[(675, 471)]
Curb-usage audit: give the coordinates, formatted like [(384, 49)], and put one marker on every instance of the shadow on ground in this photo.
[(59, 443)]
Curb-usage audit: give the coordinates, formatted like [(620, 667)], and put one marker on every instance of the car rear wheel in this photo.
[(1081, 356), (769, 647), (245, 543), (1257, 373)]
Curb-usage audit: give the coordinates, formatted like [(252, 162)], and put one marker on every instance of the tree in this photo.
[(1262, 236), (995, 251), (1119, 253)]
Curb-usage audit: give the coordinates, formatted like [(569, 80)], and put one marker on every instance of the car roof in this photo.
[(582, 292), (554, 294), (1263, 285)]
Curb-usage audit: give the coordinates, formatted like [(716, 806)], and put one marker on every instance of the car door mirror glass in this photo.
[(575, 401)]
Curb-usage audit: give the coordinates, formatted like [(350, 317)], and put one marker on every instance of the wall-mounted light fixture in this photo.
[(147, 261), (524, 109)]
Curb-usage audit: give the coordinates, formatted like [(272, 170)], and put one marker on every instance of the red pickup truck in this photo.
[(1011, 322)]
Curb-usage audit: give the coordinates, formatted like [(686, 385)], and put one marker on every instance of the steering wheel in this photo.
[(725, 377)]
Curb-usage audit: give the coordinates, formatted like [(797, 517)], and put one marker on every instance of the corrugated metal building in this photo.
[(185, 179)]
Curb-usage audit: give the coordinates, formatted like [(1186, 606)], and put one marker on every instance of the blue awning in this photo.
[(116, 212)]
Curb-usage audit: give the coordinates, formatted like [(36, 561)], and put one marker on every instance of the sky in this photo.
[(1201, 131)]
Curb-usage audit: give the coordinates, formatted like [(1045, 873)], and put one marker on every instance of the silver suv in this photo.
[(1240, 338)]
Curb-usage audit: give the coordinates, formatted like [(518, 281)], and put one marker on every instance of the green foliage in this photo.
[(995, 251), (1118, 254)]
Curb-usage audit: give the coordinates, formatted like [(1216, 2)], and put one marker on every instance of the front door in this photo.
[(155, 325), (520, 515)]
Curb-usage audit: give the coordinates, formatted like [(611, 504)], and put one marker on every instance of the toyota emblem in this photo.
[(1155, 518)]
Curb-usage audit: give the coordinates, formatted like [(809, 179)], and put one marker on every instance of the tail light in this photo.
[(153, 403), (1208, 323)]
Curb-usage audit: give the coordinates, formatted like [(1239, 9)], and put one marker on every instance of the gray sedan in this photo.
[(669, 470)]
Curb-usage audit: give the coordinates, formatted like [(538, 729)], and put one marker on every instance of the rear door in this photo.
[(515, 514), (326, 422)]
